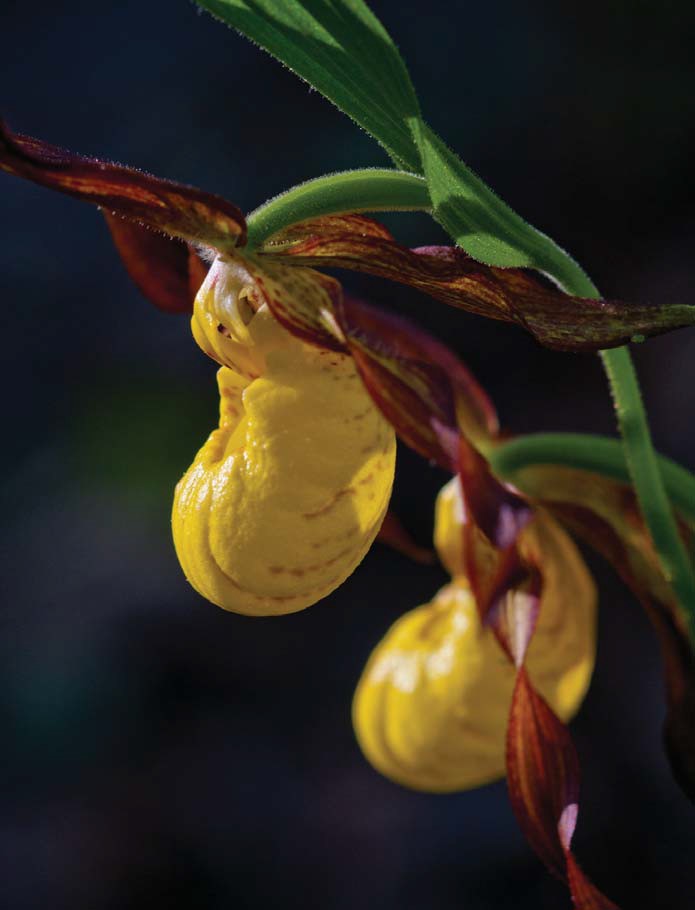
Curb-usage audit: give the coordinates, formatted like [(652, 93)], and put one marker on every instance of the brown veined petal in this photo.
[(478, 523), (403, 339), (421, 387), (302, 300), (543, 781), (605, 514), (539, 599), (498, 510), (546, 568), (585, 895), (555, 319), (542, 772), (329, 226), (179, 210), (542, 764), (168, 271)]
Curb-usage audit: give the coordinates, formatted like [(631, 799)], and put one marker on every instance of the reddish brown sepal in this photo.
[(173, 208), (394, 535), (542, 774), (476, 413), (585, 895), (543, 782), (419, 384), (168, 271), (414, 395), (497, 510), (542, 765), (605, 514), (556, 320), (494, 515)]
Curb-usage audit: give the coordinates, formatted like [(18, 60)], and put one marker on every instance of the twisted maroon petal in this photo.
[(422, 388), (542, 764), (606, 515), (543, 781)]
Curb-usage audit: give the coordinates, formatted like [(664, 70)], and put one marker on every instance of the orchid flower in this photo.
[(432, 706), (287, 494)]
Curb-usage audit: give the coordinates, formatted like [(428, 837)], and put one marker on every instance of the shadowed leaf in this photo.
[(474, 216)]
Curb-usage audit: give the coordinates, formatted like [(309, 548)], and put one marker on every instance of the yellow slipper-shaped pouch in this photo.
[(431, 708), (286, 496)]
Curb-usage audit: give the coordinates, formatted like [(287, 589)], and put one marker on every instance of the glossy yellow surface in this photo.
[(286, 496), (431, 709)]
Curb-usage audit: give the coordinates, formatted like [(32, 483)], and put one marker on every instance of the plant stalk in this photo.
[(365, 190), (598, 454)]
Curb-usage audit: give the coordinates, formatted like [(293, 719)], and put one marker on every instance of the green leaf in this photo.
[(480, 222), (343, 50)]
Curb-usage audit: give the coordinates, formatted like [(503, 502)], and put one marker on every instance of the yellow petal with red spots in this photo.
[(286, 496)]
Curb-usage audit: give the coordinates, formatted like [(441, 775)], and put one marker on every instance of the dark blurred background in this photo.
[(159, 752)]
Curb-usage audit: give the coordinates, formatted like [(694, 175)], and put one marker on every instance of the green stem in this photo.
[(598, 454), (646, 476), (641, 458), (366, 190)]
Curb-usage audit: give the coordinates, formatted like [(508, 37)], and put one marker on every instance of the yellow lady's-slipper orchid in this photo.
[(432, 706), (287, 495)]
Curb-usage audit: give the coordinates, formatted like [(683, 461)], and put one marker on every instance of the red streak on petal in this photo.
[(173, 208), (167, 270)]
